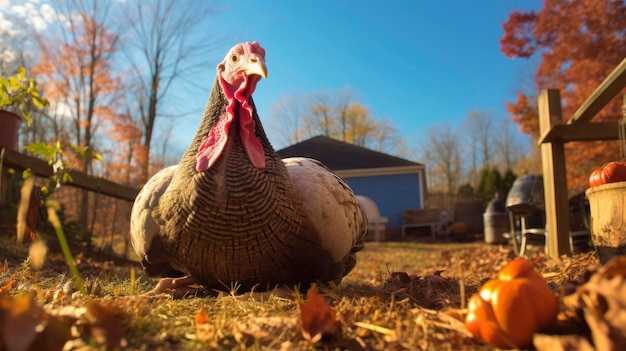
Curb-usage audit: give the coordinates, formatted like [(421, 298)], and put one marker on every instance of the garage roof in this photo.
[(338, 155)]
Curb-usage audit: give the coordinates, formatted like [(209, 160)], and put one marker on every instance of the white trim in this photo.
[(367, 172)]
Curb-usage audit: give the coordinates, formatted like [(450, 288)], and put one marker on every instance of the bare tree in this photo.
[(363, 129), (507, 150), (286, 115), (530, 162), (472, 147), (338, 116), (357, 125), (442, 154), (165, 47), (387, 139), (319, 119), (12, 52), (478, 124), (342, 103)]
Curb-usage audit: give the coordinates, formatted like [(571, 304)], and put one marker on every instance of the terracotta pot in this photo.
[(9, 125)]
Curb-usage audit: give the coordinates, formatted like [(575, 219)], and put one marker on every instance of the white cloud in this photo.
[(37, 13), (48, 13), (18, 10), (39, 23), (5, 24)]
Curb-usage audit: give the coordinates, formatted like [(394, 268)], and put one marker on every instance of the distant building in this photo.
[(393, 183)]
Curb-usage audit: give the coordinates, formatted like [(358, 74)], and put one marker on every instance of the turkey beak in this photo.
[(256, 66)]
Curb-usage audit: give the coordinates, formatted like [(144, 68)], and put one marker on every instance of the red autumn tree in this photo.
[(579, 43)]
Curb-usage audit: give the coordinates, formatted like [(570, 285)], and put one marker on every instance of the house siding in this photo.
[(392, 194)]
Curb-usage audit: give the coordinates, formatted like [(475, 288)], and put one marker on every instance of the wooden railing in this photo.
[(554, 134), (16, 160), (107, 230)]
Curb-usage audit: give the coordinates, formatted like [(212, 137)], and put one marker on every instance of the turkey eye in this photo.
[(234, 58)]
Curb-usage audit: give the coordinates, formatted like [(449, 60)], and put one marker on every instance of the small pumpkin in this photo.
[(609, 173), (509, 310)]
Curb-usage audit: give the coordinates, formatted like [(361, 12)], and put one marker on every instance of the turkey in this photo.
[(233, 213)]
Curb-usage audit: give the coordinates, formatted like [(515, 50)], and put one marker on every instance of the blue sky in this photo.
[(415, 63)]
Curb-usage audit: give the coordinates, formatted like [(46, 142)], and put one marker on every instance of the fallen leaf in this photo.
[(21, 319), (7, 286), (106, 324), (318, 319), (56, 334), (205, 331), (603, 301), (545, 342), (202, 317)]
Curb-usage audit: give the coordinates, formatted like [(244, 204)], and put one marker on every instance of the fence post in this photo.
[(554, 178)]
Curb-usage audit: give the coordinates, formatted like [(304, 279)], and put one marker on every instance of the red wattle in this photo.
[(213, 144)]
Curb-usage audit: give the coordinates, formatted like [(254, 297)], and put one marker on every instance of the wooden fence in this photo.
[(108, 209), (467, 208), (449, 200), (18, 161)]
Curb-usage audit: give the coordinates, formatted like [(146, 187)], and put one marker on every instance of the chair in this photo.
[(541, 231), (533, 225)]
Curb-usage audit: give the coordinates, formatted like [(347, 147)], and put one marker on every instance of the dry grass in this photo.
[(401, 295)]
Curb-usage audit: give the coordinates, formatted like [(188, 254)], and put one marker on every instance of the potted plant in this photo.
[(17, 93)]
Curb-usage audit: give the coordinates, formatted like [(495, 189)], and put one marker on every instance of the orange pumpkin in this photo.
[(509, 310), (609, 173)]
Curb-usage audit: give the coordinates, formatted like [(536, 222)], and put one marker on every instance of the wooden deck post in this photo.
[(554, 179)]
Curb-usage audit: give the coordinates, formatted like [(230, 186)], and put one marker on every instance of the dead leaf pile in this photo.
[(431, 291), (478, 264), (602, 304), (106, 323), (418, 307), (268, 332), (26, 325)]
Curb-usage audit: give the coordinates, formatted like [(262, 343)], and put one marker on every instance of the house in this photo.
[(393, 183)]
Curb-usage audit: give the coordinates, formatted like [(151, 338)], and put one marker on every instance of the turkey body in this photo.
[(249, 218)]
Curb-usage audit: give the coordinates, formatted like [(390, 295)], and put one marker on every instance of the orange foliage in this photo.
[(78, 78), (77, 74), (580, 43), (87, 94), (525, 114)]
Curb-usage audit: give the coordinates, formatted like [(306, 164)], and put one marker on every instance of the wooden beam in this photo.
[(580, 132), (554, 179), (19, 161), (604, 93)]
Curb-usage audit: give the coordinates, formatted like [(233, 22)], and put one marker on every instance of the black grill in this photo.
[(526, 195)]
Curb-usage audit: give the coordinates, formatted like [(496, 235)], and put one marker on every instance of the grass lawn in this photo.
[(401, 295)]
